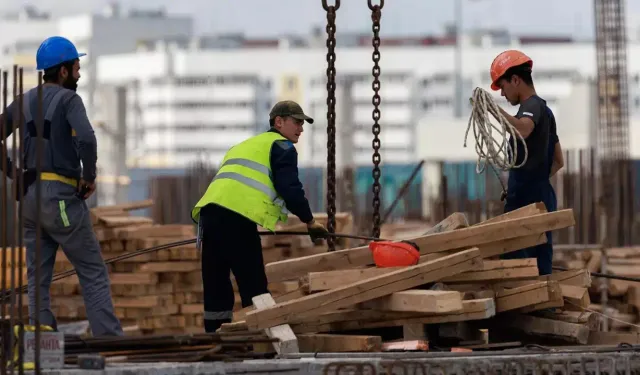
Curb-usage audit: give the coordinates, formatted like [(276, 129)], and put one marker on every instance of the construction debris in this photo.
[(614, 303), (460, 293), (457, 281)]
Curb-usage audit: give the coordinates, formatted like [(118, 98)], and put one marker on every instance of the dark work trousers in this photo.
[(541, 192), (230, 242)]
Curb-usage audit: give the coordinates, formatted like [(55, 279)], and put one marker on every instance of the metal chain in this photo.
[(331, 120), (376, 14)]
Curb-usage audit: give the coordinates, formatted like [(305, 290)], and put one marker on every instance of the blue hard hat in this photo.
[(54, 51)]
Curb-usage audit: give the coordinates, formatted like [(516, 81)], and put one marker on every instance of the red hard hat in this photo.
[(394, 254), (503, 62)]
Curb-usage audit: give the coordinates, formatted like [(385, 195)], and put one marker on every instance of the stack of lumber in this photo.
[(148, 290), (617, 301), (276, 248), (398, 231), (161, 292), (456, 281)]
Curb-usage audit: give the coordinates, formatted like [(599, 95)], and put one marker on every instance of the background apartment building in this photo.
[(162, 98), (111, 31), (192, 102)]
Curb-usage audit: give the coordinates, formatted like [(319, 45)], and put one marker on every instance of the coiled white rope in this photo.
[(491, 150)]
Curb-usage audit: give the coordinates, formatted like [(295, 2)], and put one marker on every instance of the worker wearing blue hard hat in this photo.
[(55, 51), (68, 177)]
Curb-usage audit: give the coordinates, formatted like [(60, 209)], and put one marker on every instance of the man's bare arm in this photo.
[(524, 125)]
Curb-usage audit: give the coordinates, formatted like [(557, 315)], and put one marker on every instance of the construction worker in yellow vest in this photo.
[(257, 183)]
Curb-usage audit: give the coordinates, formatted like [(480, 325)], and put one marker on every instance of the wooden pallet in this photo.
[(622, 307)]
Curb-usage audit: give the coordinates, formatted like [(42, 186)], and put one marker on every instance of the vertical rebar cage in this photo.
[(14, 318), (612, 123)]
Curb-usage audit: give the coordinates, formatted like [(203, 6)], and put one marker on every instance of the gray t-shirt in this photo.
[(71, 137)]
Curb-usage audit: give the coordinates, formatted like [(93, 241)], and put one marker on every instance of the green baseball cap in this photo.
[(289, 108)]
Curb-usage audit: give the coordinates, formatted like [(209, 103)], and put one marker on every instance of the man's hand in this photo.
[(316, 230), (85, 189)]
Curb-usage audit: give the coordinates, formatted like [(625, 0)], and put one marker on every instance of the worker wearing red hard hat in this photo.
[(67, 177), (511, 74)]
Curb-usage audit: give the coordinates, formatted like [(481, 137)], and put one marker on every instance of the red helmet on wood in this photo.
[(503, 62), (394, 254)]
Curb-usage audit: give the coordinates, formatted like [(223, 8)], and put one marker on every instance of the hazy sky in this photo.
[(272, 17)]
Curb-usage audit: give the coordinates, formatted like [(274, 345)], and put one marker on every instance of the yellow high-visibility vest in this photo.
[(243, 183)]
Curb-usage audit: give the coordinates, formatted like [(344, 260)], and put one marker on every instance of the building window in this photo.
[(292, 84)]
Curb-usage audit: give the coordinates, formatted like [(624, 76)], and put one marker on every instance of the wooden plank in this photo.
[(488, 265), (142, 289), (118, 221), (169, 267), (288, 342), (576, 297), (131, 206), (142, 301), (295, 294), (133, 278), (432, 243), (613, 338), (498, 270), (353, 319), (492, 249), (172, 230), (532, 209), (588, 319), (424, 301), (492, 232), (593, 265), (407, 345), (320, 281), (516, 268), (493, 275), (97, 215), (275, 272), (500, 247), (452, 222), (555, 300), (527, 295), (365, 290), (347, 320), (328, 343), (570, 332), (580, 278)]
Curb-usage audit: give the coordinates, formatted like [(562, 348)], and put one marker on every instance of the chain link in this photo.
[(376, 14), (331, 120)]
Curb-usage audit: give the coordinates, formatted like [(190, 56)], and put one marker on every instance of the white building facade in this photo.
[(196, 103), (109, 32)]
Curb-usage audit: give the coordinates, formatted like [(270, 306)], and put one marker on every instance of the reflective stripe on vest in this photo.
[(262, 204), (246, 180)]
